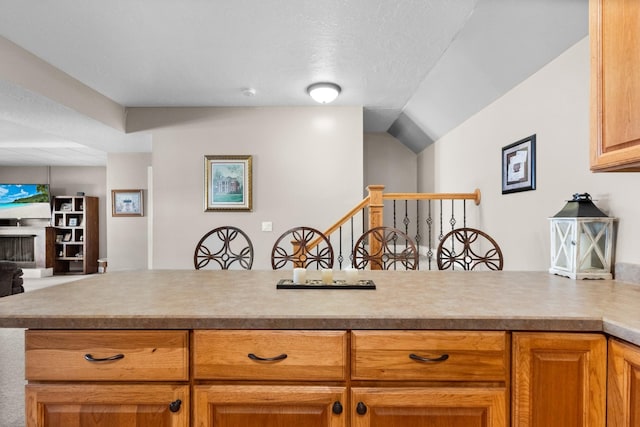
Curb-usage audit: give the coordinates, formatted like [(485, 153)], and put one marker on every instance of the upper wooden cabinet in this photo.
[(614, 31)]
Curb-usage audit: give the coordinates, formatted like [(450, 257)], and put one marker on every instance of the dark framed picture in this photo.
[(228, 185), (127, 203), (519, 166)]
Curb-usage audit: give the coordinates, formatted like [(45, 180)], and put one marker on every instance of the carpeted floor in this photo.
[(12, 361)]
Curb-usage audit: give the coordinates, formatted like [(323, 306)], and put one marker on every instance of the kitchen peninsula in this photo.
[(199, 346)]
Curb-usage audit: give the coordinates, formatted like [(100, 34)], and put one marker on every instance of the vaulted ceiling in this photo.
[(417, 67)]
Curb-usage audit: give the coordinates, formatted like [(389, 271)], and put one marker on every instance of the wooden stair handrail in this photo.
[(341, 221), (475, 196)]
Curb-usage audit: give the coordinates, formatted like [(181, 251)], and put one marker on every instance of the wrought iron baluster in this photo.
[(340, 254), (418, 232), (406, 220), (394, 214), (452, 221), (430, 234), (441, 230), (464, 213), (352, 244)]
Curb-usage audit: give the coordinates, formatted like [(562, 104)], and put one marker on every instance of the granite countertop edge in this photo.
[(511, 301)]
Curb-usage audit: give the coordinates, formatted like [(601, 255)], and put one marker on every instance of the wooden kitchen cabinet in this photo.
[(83, 405), (107, 378), (429, 379), (429, 407), (614, 31), (269, 405), (270, 378), (623, 385), (559, 379)]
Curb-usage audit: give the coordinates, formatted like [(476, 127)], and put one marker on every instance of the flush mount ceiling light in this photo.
[(324, 93)]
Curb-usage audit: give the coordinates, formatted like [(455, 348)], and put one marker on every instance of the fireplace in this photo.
[(18, 249), (27, 246)]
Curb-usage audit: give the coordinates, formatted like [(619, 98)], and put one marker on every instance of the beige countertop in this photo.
[(186, 299)]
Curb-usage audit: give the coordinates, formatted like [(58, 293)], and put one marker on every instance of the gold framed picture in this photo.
[(127, 203), (228, 185)]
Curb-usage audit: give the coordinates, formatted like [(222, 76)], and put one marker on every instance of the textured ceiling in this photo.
[(424, 64)]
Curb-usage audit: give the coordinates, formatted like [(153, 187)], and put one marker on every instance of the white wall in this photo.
[(387, 161), (307, 170), (127, 243), (554, 105), (390, 163)]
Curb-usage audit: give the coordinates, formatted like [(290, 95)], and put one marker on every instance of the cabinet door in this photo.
[(615, 86), (428, 407), (84, 405), (559, 380), (269, 406), (623, 385)]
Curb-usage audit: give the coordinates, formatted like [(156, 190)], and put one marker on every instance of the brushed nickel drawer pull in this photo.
[(428, 359), (267, 359), (90, 358)]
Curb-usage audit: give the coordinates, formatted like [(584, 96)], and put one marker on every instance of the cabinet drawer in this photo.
[(429, 355), (270, 355), (135, 355)]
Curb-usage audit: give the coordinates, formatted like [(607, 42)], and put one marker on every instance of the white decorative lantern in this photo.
[(581, 240)]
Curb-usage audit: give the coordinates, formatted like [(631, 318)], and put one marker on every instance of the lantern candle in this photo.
[(300, 275), (351, 274), (327, 276)]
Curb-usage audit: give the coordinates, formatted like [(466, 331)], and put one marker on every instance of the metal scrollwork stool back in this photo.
[(224, 246), (469, 249), (384, 248), (303, 247)]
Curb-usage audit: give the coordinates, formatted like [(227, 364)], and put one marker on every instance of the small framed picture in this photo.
[(73, 222), (519, 166), (126, 203), (67, 237)]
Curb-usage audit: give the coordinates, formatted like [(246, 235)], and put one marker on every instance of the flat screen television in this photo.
[(24, 201)]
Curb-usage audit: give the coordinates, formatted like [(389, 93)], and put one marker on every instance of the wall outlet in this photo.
[(267, 226)]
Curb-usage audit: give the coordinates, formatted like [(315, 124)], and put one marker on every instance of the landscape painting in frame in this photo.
[(24, 201), (228, 183)]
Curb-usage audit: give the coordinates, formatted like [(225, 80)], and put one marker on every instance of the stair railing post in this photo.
[(376, 219)]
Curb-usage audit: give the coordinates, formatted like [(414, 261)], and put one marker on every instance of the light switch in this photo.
[(267, 226)]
